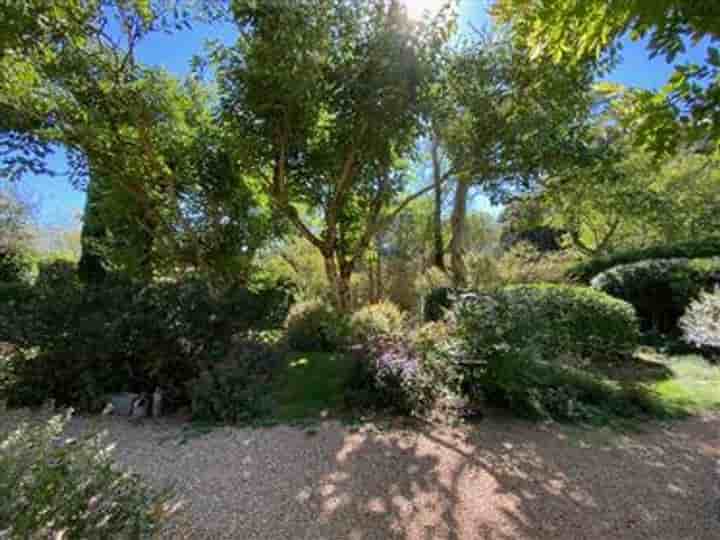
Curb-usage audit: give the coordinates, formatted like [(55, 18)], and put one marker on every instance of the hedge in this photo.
[(553, 320), (585, 271), (660, 289)]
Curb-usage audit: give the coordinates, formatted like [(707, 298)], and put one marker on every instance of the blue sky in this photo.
[(60, 204)]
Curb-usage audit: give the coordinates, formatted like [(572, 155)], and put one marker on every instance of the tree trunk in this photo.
[(438, 247), (339, 279), (91, 266), (457, 242)]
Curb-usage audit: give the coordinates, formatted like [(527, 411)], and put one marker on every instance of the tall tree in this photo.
[(327, 97), (516, 120)]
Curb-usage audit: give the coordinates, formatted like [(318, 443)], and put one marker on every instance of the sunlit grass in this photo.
[(694, 386), (311, 385)]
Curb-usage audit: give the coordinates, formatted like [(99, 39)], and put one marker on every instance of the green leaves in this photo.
[(589, 32)]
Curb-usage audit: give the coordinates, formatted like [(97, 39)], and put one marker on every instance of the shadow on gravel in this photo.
[(499, 480), (510, 480)]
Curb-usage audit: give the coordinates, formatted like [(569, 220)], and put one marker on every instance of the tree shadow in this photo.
[(509, 480), (501, 479), (638, 369)]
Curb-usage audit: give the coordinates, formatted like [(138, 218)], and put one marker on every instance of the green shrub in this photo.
[(314, 326), (431, 336), (585, 271), (375, 320), (16, 265), (555, 320), (437, 302), (57, 273), (660, 289), (532, 388), (50, 488), (76, 344), (234, 391), (701, 323)]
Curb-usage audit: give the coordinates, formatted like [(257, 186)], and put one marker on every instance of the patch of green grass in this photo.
[(693, 387), (311, 385)]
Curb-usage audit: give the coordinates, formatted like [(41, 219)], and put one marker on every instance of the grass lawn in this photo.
[(694, 385), (311, 385)]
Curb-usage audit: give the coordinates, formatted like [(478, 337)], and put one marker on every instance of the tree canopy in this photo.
[(687, 108)]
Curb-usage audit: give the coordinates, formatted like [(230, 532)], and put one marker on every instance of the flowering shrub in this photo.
[(659, 289), (395, 374), (50, 488), (375, 320), (701, 322), (315, 326)]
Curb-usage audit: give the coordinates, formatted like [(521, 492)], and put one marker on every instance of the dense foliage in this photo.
[(571, 32), (234, 390), (327, 97), (586, 270), (315, 325), (376, 320), (554, 320), (55, 487), (75, 344), (660, 289), (397, 374)]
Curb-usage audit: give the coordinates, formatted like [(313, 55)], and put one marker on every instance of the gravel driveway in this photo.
[(500, 479)]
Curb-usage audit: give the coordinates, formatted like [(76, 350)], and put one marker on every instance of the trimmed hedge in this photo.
[(553, 320), (661, 289), (585, 271)]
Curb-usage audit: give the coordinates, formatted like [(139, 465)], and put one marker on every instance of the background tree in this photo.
[(517, 119)]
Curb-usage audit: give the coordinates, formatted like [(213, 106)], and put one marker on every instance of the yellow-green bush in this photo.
[(374, 320), (315, 326)]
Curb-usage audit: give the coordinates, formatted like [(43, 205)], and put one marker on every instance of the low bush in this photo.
[(75, 344), (55, 488), (701, 323), (393, 374), (555, 320), (586, 270), (236, 390), (660, 290), (532, 388), (16, 265), (437, 302), (314, 326), (376, 320)]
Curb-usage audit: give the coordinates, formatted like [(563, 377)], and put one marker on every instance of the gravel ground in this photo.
[(500, 479)]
